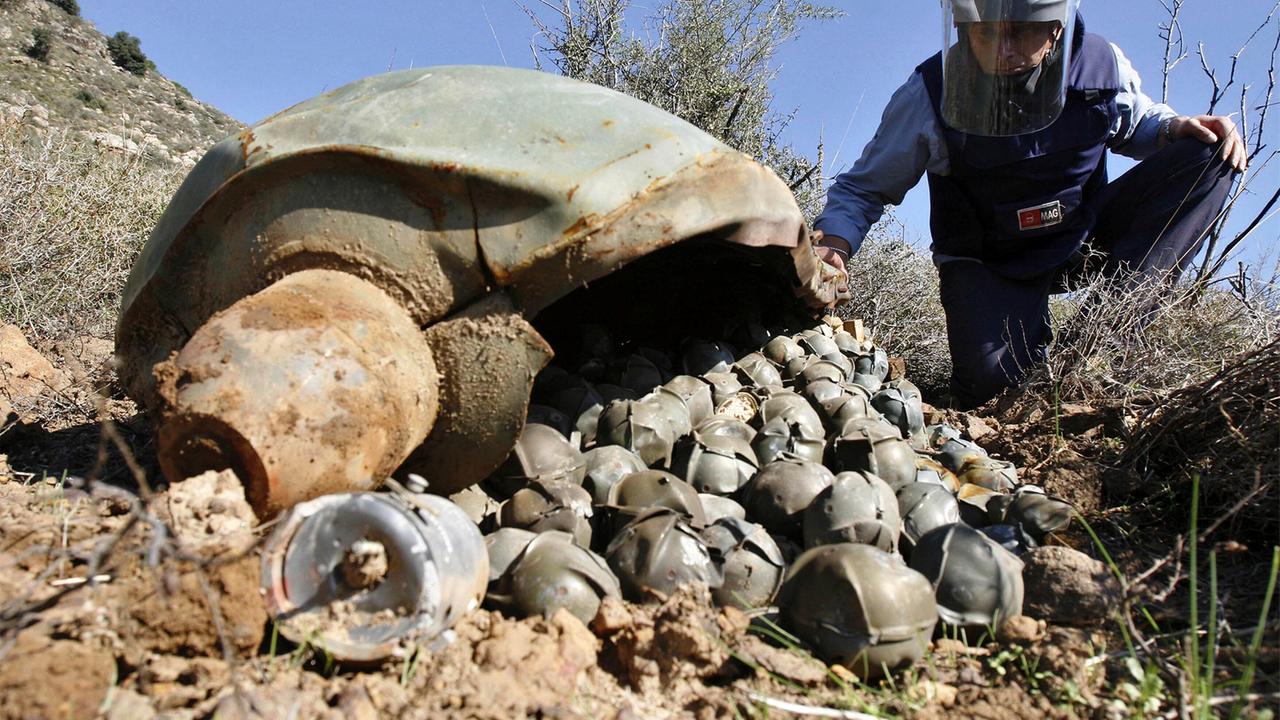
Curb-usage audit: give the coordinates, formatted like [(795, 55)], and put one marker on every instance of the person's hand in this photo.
[(1210, 129), (834, 251)]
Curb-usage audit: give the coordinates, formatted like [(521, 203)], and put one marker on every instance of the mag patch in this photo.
[(1040, 216)]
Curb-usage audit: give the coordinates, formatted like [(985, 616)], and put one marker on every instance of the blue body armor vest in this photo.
[(1022, 204)]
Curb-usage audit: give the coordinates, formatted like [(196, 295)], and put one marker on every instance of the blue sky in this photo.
[(251, 59)]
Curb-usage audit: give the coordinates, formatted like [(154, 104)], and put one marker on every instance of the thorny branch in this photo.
[(163, 544)]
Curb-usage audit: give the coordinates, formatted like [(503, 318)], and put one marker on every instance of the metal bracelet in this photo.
[(833, 248)]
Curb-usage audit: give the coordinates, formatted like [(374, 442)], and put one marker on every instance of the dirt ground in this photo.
[(120, 600)]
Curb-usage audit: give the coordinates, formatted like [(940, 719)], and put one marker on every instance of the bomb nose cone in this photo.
[(319, 383)]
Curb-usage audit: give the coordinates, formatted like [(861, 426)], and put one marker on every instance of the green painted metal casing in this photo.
[(472, 196)]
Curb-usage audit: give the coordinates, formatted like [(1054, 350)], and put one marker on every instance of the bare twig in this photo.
[(1220, 89), (1175, 45)]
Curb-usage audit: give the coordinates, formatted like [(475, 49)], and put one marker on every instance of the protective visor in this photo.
[(1004, 64)]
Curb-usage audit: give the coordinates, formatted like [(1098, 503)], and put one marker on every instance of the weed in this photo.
[(88, 99), (1255, 643), (275, 640), (410, 669), (1143, 694)]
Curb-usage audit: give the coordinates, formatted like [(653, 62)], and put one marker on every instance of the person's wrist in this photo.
[(836, 244)]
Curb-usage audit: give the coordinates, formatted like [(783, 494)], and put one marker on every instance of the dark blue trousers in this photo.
[(1151, 223)]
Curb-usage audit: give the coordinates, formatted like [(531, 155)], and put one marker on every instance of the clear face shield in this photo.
[(1004, 64)]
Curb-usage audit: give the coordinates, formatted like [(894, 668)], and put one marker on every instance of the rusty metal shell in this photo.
[(545, 506), (639, 426), (858, 606), (473, 197), (640, 491), (698, 357), (977, 582), (857, 507), (553, 572), (715, 464), (606, 465), (754, 369), (753, 565), (781, 491), (875, 447), (320, 383), (541, 453), (696, 395), (781, 350), (990, 473), (659, 551), (726, 426)]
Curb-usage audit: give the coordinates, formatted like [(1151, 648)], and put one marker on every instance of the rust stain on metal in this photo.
[(246, 139), (581, 225)]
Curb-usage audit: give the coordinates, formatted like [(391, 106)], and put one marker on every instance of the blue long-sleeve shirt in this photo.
[(909, 142)]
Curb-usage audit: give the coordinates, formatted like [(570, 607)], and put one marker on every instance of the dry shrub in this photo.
[(1198, 367), (895, 290), (1227, 429), (72, 219), (1121, 341)]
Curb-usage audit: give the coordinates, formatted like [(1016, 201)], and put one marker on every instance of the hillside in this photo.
[(78, 88)]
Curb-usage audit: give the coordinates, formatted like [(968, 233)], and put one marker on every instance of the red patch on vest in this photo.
[(1034, 218)]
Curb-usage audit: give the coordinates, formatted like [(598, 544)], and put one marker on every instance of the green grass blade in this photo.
[(1255, 644), (1193, 577)]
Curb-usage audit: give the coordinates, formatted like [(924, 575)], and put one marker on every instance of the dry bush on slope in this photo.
[(72, 220), (894, 288), (1136, 344), (1226, 428)]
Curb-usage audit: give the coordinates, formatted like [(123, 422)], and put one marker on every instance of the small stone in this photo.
[(941, 693), (209, 513), (25, 374), (790, 664), (1020, 629), (355, 704), (577, 646), (365, 564), (612, 616), (897, 368), (732, 621), (977, 428), (129, 705), (949, 646), (970, 675), (1067, 587), (844, 673)]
